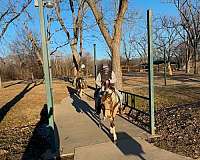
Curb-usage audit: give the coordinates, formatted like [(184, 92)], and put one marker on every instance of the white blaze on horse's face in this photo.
[(108, 90)]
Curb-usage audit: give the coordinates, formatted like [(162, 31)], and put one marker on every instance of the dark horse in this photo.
[(80, 85)]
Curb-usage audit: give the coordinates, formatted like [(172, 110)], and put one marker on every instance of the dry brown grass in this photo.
[(180, 89), (27, 109)]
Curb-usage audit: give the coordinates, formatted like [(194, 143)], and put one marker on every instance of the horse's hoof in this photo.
[(115, 137), (115, 142)]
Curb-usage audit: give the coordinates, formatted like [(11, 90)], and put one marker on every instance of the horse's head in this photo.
[(106, 97), (110, 102), (108, 87)]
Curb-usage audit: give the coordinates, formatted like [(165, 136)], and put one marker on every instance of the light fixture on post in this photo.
[(49, 4), (46, 3)]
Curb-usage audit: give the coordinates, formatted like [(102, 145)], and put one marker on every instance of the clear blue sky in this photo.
[(141, 6)]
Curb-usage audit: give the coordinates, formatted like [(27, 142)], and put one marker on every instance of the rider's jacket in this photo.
[(102, 77), (106, 75)]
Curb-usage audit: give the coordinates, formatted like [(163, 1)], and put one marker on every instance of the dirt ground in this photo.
[(20, 108)]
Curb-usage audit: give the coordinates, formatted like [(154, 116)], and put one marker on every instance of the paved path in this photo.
[(79, 135)]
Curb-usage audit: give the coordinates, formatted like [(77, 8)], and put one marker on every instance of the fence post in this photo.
[(150, 72)]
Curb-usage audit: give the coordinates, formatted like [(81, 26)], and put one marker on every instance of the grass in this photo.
[(25, 109), (180, 89)]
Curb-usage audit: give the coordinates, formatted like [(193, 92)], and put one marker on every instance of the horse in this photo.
[(110, 102), (80, 85)]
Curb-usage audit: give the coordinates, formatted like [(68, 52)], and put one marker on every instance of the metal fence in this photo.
[(130, 101)]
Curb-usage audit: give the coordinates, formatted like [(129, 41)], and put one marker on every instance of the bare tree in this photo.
[(129, 35), (77, 15), (139, 44), (166, 39), (113, 41), (189, 11), (10, 14)]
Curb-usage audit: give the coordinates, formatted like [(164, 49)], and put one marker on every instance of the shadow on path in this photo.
[(126, 144), (12, 84), (6, 108), (83, 107), (42, 139), (129, 146)]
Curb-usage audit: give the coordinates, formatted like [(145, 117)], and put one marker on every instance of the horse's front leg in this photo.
[(80, 93), (112, 129)]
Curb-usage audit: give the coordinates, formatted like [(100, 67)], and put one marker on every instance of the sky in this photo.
[(158, 7)]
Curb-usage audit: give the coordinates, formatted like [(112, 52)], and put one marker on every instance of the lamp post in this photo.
[(150, 74), (165, 68), (46, 66), (95, 66)]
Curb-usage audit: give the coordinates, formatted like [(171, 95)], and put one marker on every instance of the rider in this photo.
[(81, 73), (104, 76)]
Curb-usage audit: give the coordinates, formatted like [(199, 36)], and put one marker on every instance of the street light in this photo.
[(49, 4), (46, 3), (46, 66)]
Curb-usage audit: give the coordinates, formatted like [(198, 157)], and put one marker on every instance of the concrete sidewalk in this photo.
[(79, 135), (75, 127), (135, 149)]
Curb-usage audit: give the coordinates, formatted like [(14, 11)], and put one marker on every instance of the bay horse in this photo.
[(80, 85), (110, 102)]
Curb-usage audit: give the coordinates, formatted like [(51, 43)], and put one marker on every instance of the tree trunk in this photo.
[(117, 68), (32, 77), (127, 65), (188, 59), (113, 41), (76, 59), (188, 66), (169, 69), (195, 59)]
